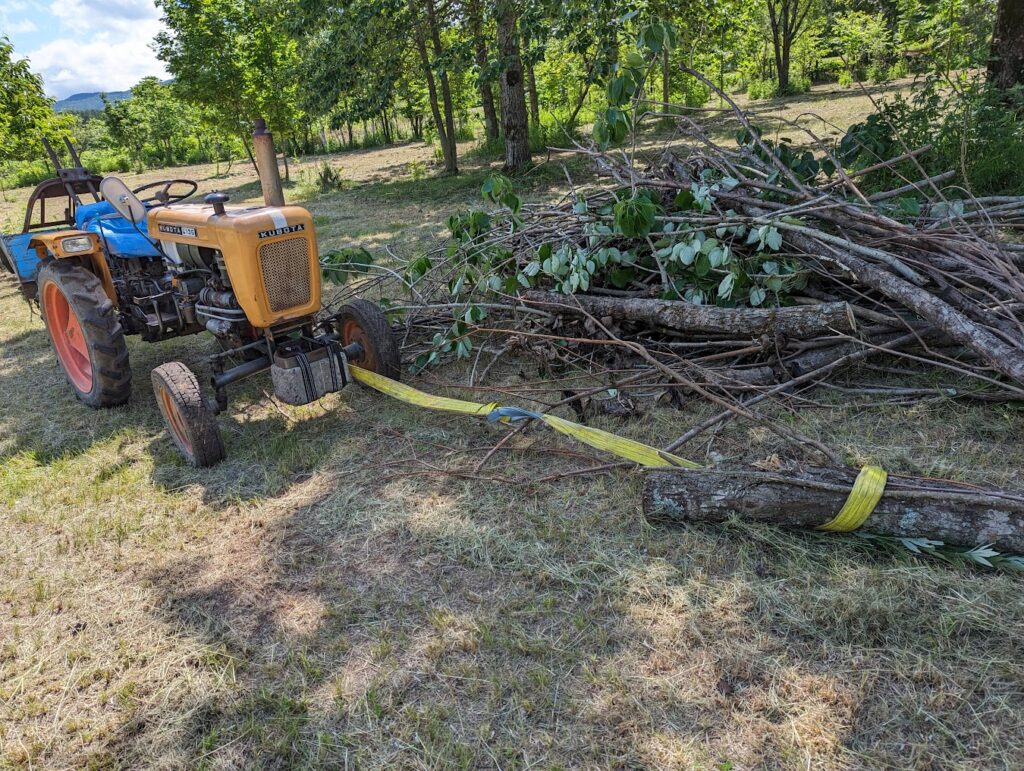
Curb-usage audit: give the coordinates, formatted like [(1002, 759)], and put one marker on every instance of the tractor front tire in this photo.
[(190, 422), (85, 333), (363, 322)]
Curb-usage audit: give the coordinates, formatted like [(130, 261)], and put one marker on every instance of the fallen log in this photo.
[(798, 321), (940, 510)]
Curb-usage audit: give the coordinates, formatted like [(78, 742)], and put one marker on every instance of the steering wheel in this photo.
[(164, 196)]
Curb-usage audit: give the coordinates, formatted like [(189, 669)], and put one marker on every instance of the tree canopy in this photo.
[(518, 75)]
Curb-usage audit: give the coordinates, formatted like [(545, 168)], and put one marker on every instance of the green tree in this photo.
[(787, 20), (26, 113), (426, 27), (236, 58)]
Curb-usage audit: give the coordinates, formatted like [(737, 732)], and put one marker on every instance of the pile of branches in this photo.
[(736, 273)]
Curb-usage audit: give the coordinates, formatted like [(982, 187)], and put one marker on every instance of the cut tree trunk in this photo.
[(909, 508), (513, 95), (798, 321)]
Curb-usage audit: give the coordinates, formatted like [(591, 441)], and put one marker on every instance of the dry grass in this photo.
[(331, 597)]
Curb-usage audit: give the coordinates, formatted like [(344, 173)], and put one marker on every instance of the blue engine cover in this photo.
[(121, 238)]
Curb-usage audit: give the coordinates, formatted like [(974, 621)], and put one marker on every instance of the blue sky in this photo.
[(84, 45)]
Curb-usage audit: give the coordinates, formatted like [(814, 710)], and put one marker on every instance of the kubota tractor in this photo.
[(158, 267)]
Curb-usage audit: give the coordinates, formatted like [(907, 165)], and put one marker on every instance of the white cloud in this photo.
[(100, 63), (119, 15), (20, 27), (104, 45)]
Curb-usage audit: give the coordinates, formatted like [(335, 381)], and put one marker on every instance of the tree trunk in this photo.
[(666, 79), (448, 148), (1006, 65), (797, 321), (513, 97), (248, 151), (787, 47), (531, 90), (945, 511), (475, 14)]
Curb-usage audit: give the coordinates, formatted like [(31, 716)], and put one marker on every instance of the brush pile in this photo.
[(735, 273), (739, 274)]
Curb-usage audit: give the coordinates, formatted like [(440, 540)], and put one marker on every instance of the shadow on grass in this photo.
[(398, 621), (45, 424)]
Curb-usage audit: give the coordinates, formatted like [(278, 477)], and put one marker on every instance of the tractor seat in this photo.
[(121, 237)]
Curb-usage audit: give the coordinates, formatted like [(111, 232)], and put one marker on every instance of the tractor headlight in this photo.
[(76, 244)]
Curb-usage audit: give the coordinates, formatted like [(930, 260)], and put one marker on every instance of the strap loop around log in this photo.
[(865, 495)]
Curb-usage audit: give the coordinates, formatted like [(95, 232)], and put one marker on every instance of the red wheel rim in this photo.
[(175, 421), (351, 332), (68, 340)]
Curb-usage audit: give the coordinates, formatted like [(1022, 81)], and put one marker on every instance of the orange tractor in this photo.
[(158, 267)]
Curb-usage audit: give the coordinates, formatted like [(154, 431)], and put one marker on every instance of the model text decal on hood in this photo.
[(178, 230)]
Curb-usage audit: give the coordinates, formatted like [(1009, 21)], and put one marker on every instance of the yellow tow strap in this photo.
[(640, 453), (867, 489), (866, 492)]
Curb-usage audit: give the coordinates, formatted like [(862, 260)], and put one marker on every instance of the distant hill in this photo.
[(87, 102)]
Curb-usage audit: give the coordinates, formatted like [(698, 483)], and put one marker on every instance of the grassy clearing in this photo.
[(334, 595)]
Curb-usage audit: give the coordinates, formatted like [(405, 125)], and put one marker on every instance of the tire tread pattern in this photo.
[(108, 351), (371, 318), (200, 422)]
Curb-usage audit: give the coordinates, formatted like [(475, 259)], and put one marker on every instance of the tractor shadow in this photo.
[(269, 447)]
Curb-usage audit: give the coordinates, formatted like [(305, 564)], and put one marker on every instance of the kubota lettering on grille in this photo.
[(282, 231)]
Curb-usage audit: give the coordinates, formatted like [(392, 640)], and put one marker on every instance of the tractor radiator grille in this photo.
[(285, 266)]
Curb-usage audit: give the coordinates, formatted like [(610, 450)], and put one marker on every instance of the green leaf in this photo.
[(726, 285), (621, 278), (909, 206), (634, 217), (757, 295), (684, 200), (684, 253)]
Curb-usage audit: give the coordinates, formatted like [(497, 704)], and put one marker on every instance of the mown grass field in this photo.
[(339, 594)]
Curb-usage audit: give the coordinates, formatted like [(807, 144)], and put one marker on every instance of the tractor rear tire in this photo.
[(85, 333), (190, 422), (363, 322)]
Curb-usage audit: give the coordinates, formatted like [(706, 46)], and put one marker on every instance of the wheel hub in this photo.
[(68, 340)]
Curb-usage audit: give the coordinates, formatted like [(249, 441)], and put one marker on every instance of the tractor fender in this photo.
[(51, 245)]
